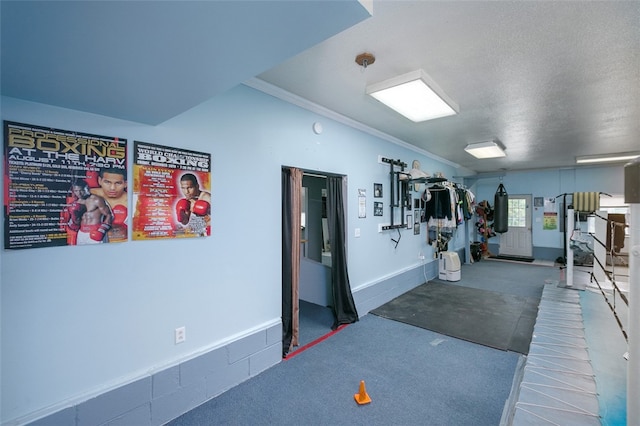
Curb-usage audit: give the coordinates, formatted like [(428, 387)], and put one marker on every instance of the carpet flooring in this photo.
[(498, 320), (412, 375), (315, 322)]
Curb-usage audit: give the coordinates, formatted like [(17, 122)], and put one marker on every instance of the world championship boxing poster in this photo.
[(172, 192), (63, 187)]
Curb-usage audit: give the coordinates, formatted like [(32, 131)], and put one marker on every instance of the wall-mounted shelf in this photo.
[(388, 227), (427, 180)]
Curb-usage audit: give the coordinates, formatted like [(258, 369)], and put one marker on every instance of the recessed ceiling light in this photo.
[(607, 158), (414, 95), (489, 149)]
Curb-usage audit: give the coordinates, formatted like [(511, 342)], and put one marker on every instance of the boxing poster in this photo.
[(172, 192), (63, 187)]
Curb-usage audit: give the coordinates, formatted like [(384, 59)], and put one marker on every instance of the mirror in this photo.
[(314, 235)]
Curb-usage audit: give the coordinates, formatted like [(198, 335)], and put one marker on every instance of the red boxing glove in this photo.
[(201, 208), (98, 234), (92, 178), (74, 214), (119, 214), (183, 211)]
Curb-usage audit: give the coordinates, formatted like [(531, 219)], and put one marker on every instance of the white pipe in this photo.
[(569, 228), (632, 197), (633, 365)]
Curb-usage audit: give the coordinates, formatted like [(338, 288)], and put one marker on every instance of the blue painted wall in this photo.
[(549, 184), (78, 322)]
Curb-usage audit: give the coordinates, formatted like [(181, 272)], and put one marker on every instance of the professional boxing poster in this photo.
[(172, 192), (63, 187)]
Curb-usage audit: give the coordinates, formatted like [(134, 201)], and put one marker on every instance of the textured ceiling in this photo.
[(550, 80)]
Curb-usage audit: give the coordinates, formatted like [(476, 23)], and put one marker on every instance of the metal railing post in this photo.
[(632, 197)]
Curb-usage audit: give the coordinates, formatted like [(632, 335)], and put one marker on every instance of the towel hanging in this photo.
[(586, 202)]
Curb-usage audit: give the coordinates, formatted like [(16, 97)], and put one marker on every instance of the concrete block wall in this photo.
[(165, 395), (160, 397)]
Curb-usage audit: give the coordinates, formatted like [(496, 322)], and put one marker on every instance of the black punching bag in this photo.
[(501, 210)]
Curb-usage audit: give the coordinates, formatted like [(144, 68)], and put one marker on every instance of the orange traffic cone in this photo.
[(362, 397)]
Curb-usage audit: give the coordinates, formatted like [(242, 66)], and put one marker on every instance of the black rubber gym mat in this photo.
[(514, 258), (498, 320)]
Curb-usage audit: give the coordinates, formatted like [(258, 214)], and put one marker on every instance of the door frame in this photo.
[(506, 238)]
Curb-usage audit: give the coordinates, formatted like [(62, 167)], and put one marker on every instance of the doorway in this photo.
[(314, 298), (517, 240), (313, 224)]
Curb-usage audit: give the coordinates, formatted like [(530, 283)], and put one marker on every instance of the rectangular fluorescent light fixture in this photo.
[(609, 158), (489, 149), (414, 95)]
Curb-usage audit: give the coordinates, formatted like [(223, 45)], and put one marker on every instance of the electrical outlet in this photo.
[(420, 255), (181, 334)]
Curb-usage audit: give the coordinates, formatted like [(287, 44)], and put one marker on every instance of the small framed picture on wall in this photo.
[(377, 190), (377, 208)]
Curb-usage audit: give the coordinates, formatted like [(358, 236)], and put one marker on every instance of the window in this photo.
[(517, 212)]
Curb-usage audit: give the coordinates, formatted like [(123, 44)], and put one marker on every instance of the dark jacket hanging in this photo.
[(439, 207)]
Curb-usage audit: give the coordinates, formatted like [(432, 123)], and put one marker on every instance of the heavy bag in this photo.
[(501, 210)]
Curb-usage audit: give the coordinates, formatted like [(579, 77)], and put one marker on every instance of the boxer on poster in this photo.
[(194, 210), (112, 186), (71, 215), (89, 214)]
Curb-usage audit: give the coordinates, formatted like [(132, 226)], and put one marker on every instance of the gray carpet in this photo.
[(413, 376), (315, 322), (499, 320)]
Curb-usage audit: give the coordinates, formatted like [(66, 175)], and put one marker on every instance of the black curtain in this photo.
[(287, 279), (343, 305)]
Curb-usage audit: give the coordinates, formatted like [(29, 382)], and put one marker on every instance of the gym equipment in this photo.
[(362, 397), (501, 207)]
